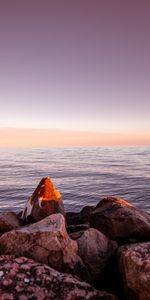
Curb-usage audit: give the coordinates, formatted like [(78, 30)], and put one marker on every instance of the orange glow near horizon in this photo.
[(11, 137)]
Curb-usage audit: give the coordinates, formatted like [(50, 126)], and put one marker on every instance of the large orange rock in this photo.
[(134, 264), (45, 201), (121, 221)]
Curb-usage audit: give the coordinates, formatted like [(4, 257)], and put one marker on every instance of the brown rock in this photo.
[(76, 235), (85, 213), (45, 201), (121, 221), (24, 279), (8, 221), (46, 241), (134, 263), (82, 217), (76, 228), (95, 249), (72, 218)]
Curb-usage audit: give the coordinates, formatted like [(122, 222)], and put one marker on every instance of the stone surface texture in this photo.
[(95, 249), (82, 217), (45, 200), (46, 241), (24, 279), (121, 221), (76, 228), (8, 221), (134, 264)]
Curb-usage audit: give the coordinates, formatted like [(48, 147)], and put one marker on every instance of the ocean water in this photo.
[(83, 175)]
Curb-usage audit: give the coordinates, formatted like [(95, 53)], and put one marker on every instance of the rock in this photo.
[(95, 249), (82, 217), (79, 227), (85, 213), (77, 234), (45, 201), (72, 218), (134, 264), (121, 221), (19, 214), (47, 242), (8, 221), (24, 279)]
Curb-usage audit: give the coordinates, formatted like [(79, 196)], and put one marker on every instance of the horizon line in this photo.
[(77, 130), (40, 137)]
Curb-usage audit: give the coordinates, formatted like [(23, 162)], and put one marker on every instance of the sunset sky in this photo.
[(79, 65)]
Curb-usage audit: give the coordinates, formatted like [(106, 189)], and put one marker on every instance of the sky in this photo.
[(79, 65)]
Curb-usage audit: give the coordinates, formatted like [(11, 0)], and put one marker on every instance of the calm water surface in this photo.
[(82, 175)]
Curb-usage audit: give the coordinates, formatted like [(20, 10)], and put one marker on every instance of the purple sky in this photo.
[(82, 64)]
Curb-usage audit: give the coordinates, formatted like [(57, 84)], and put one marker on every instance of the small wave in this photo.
[(83, 175)]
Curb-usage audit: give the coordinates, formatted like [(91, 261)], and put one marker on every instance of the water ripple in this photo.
[(83, 175)]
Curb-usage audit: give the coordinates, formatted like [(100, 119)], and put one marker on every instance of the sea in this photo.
[(83, 175)]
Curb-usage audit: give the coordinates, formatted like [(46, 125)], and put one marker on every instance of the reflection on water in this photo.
[(82, 175)]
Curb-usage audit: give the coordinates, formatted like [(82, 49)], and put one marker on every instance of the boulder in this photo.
[(95, 249), (134, 264), (8, 221), (78, 218), (121, 221), (24, 279), (85, 213), (46, 241), (45, 201), (76, 228), (72, 218), (77, 234)]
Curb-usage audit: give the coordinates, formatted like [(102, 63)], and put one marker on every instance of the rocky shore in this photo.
[(101, 252)]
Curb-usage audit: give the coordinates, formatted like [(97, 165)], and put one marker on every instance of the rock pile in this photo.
[(48, 255), (24, 279)]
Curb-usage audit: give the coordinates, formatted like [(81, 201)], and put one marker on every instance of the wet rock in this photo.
[(45, 201), (8, 221), (121, 221), (134, 264), (95, 249), (25, 279), (46, 241)]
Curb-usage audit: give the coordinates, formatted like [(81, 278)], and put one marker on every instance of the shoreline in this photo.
[(86, 248)]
